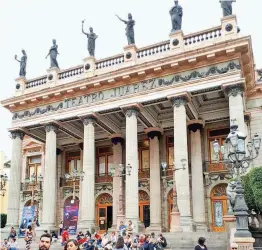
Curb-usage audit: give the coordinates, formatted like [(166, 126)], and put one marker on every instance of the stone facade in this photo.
[(146, 111)]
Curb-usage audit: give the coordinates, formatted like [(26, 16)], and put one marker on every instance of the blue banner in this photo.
[(27, 219)]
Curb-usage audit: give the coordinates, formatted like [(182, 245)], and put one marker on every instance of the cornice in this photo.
[(145, 66)]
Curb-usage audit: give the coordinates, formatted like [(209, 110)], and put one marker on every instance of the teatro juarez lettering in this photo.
[(144, 86)]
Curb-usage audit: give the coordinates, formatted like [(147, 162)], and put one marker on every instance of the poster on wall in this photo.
[(71, 215), (27, 218)]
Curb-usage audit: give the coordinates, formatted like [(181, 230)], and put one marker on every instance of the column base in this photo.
[(154, 228), (175, 225), (199, 227), (245, 243), (87, 225), (186, 223)]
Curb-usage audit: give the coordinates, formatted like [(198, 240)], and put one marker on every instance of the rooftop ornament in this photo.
[(91, 38), (130, 23)]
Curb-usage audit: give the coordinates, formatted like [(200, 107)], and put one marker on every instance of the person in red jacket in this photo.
[(65, 236)]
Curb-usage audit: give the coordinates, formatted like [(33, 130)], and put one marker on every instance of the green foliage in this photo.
[(3, 220), (255, 183), (249, 196)]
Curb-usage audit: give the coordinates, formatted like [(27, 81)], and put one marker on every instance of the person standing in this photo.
[(33, 225), (61, 228), (201, 244), (28, 237), (130, 228), (65, 236)]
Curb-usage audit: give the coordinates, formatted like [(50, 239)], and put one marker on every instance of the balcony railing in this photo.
[(215, 167), (25, 187)]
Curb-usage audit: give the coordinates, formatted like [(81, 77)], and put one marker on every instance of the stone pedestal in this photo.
[(198, 195), (229, 26), (14, 181), (175, 225), (130, 54), (89, 66), (20, 86), (177, 41), (87, 200), (245, 243), (50, 179), (230, 223), (52, 76), (180, 153)]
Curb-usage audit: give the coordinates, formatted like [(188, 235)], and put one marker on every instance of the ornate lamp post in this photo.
[(3, 181), (74, 177), (234, 152), (175, 215), (121, 169)]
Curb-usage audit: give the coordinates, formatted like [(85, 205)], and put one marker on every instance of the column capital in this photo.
[(117, 138), (195, 125), (89, 119), (153, 132), (51, 127), (233, 89), (131, 110), (179, 99), (17, 134)]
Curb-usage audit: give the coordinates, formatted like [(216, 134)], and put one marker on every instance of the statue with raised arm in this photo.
[(53, 52), (176, 14), (91, 40), (130, 34), (226, 6), (22, 62)]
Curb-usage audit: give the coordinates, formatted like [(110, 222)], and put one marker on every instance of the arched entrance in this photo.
[(144, 207), (104, 213), (218, 207), (170, 204), (71, 208)]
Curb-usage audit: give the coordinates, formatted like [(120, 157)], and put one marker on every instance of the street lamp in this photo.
[(74, 177), (235, 152), (164, 168), (3, 181), (121, 169)]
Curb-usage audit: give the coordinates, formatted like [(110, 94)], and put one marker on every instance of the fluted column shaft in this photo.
[(50, 179), (180, 153), (87, 201), (132, 159), (15, 180), (197, 176)]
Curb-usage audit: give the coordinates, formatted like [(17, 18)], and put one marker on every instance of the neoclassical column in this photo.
[(15, 180), (131, 207), (198, 196), (236, 107), (87, 200), (118, 192), (155, 188), (50, 179), (180, 153)]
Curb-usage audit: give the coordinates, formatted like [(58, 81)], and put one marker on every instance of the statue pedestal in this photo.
[(175, 222), (130, 54), (177, 41), (229, 27), (89, 66), (245, 243), (20, 86), (230, 223), (52, 75)]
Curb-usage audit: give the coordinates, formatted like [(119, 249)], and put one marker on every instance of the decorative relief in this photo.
[(89, 120), (178, 101), (105, 199), (106, 187), (143, 196), (234, 90), (229, 27), (122, 91), (51, 127), (17, 134)]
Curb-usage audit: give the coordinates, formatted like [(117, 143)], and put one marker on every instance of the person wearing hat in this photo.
[(233, 246)]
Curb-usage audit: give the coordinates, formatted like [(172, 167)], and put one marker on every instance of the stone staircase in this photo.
[(187, 241)]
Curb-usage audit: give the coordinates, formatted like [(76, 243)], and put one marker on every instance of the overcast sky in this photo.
[(32, 24)]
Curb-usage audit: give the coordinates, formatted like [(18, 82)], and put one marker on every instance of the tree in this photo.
[(3, 220)]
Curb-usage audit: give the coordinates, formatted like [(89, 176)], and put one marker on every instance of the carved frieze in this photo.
[(234, 90), (122, 91)]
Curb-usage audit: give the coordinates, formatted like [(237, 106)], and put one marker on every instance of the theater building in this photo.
[(147, 108)]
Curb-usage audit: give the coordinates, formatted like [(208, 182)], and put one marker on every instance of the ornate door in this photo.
[(218, 207), (144, 208)]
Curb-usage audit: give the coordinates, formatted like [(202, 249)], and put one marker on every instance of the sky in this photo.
[(32, 24)]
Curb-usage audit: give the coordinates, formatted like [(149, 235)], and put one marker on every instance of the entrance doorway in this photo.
[(218, 207), (144, 208), (104, 215), (170, 200)]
